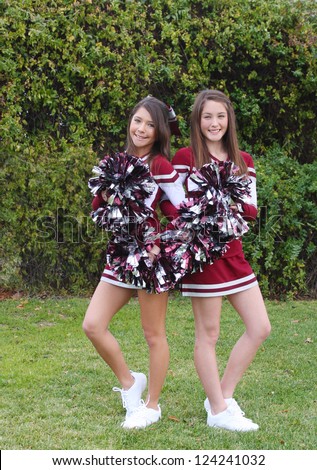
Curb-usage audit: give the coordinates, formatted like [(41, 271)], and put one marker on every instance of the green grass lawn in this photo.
[(56, 393)]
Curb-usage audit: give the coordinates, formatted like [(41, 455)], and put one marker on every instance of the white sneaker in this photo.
[(142, 417), (229, 420), (230, 402), (131, 399)]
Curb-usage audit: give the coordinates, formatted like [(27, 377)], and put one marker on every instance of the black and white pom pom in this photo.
[(206, 223), (130, 262), (125, 183)]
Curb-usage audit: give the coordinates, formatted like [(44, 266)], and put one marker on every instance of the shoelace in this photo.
[(237, 417), (236, 408), (139, 413), (141, 407), (124, 395), (235, 405), (235, 411)]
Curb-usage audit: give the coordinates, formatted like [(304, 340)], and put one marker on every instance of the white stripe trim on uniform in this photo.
[(219, 286), (220, 294), (166, 177), (181, 167), (251, 170), (115, 282)]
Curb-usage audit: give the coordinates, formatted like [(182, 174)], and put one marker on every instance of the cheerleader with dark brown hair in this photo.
[(148, 144)]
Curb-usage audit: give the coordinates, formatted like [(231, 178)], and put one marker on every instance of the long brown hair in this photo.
[(159, 115), (230, 139)]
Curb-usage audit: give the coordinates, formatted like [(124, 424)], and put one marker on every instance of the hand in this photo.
[(152, 256), (104, 196), (154, 253), (236, 207)]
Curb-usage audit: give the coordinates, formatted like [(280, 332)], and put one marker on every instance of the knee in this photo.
[(266, 330), (209, 339), (90, 328), (155, 338), (262, 333), (213, 338)]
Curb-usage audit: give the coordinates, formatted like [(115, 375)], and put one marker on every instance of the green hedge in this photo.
[(49, 241), (282, 245), (70, 71)]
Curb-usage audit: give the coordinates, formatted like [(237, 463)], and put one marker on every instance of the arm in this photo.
[(97, 202), (168, 209), (171, 185), (248, 208), (182, 163), (168, 180)]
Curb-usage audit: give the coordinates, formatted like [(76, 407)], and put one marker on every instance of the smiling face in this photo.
[(142, 132), (213, 122)]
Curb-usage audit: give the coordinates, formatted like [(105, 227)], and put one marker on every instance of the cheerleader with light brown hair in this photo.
[(214, 139)]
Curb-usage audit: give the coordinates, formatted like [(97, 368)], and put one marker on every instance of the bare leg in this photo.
[(106, 301), (207, 326), (153, 315), (250, 306)]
